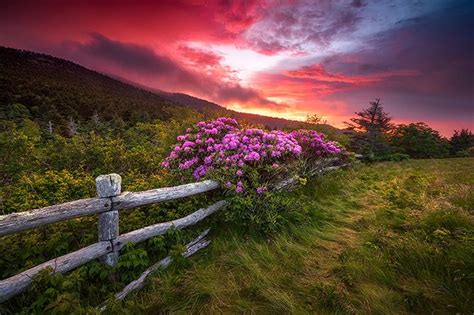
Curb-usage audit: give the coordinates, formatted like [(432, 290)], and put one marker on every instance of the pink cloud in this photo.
[(420, 66)]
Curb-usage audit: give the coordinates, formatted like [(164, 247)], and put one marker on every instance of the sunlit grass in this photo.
[(390, 238)]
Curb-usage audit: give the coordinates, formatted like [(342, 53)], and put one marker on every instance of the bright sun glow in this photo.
[(245, 61)]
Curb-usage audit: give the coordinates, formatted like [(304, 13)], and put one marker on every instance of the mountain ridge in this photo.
[(57, 89)]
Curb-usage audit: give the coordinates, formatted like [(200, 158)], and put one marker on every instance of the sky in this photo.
[(281, 58)]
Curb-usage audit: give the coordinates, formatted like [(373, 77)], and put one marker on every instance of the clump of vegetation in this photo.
[(462, 143), (419, 141), (377, 139), (384, 238), (249, 163)]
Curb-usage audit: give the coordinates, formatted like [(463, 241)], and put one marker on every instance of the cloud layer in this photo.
[(283, 58)]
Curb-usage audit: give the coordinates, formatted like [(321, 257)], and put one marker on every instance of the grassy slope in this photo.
[(390, 238)]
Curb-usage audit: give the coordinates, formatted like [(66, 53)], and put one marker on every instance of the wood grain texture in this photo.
[(161, 228), (129, 200), (108, 185), (108, 230), (108, 225), (20, 221), (16, 284)]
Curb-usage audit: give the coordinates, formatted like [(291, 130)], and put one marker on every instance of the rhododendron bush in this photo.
[(249, 161)]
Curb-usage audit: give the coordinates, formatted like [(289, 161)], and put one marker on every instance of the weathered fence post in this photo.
[(109, 186)]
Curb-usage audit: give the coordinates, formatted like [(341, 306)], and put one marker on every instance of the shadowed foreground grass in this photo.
[(390, 238)]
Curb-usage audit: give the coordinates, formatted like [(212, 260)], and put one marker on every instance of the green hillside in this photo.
[(53, 89)]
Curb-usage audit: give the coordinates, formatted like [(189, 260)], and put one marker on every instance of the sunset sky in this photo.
[(279, 58)]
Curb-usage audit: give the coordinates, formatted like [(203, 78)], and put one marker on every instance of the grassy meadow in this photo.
[(388, 238)]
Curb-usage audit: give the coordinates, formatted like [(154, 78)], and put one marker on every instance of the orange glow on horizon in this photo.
[(333, 120), (276, 58)]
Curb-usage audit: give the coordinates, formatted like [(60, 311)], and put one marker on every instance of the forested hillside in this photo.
[(57, 90), (272, 122), (48, 89)]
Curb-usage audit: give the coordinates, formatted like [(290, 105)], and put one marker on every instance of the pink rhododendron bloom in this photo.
[(222, 145), (239, 188)]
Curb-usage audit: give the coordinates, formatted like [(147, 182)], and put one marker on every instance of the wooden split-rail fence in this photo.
[(109, 202)]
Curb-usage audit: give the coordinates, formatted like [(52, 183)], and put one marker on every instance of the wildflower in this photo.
[(261, 190), (239, 187), (221, 144)]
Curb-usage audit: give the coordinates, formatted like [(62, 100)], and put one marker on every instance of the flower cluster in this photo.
[(314, 145), (222, 145)]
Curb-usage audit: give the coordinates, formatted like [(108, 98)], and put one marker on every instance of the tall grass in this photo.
[(391, 238)]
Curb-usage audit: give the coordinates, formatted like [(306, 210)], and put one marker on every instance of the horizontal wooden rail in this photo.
[(191, 248), (25, 220), (161, 228), (20, 221), (129, 200), (18, 283), (110, 200), (321, 167)]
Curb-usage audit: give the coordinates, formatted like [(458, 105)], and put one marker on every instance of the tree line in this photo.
[(373, 135)]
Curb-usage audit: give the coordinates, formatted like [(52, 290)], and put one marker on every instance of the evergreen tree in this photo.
[(461, 141), (371, 126), (315, 119)]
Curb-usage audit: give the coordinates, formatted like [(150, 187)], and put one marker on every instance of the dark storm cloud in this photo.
[(136, 58)]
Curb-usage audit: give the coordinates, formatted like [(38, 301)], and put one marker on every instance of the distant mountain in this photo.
[(207, 106), (271, 122), (55, 89), (47, 88)]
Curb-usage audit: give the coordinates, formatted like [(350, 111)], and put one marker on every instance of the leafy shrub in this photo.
[(249, 163), (395, 157), (471, 151), (40, 190)]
